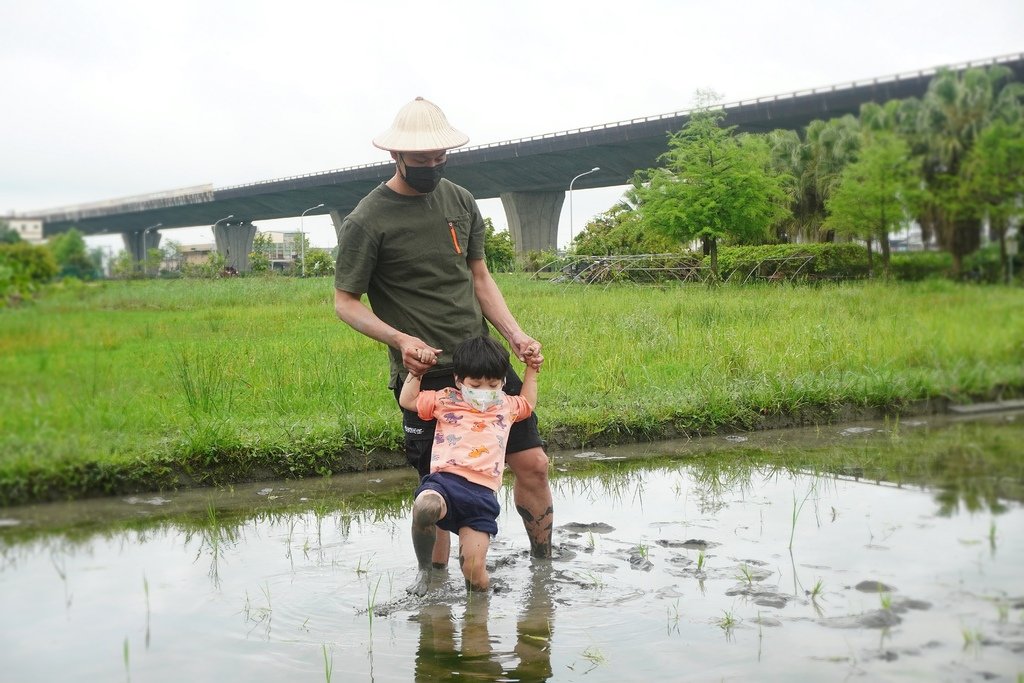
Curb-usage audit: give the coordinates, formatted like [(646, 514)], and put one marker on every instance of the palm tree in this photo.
[(815, 164), (953, 112)]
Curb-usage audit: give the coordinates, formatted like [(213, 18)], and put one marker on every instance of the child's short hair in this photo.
[(481, 357)]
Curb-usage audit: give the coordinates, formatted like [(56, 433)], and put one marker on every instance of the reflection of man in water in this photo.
[(438, 657)]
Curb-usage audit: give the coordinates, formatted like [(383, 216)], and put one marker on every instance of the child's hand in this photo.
[(535, 361)]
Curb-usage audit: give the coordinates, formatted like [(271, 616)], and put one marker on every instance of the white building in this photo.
[(29, 229)]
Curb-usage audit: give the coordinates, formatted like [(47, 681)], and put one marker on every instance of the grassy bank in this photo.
[(137, 385)]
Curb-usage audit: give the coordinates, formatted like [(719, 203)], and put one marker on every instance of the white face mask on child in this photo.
[(480, 399)]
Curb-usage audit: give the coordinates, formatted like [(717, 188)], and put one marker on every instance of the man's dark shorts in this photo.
[(419, 434), (468, 504)]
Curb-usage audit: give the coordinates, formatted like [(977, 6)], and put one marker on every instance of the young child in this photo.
[(468, 457)]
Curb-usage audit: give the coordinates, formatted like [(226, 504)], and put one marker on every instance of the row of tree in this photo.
[(952, 161)]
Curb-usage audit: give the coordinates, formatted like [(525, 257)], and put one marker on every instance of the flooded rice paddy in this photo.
[(866, 552)]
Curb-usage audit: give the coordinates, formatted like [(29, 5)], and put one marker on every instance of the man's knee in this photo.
[(529, 466)]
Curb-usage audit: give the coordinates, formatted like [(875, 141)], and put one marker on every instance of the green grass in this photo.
[(129, 386)]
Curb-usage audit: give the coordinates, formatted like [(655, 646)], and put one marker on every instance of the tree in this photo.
[(259, 259), (994, 179), (72, 257), (24, 268), (8, 235), (319, 262), (621, 230), (151, 263), (173, 254), (714, 186), (499, 249), (811, 168), (953, 112), (123, 265), (875, 192)]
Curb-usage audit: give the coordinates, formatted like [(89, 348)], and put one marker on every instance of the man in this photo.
[(415, 246)]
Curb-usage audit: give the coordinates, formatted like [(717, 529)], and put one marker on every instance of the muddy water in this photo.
[(874, 551)]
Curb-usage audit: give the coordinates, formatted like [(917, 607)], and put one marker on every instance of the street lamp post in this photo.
[(596, 168), (302, 234), (221, 220), (143, 259)]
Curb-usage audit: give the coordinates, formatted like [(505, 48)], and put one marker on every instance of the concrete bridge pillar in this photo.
[(533, 218), (133, 243), (337, 217), (234, 242)]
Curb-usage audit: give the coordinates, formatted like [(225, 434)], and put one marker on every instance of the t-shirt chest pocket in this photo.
[(455, 240)]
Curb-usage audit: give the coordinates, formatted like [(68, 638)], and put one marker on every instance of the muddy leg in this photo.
[(442, 549), (532, 495), (428, 508), (473, 558)]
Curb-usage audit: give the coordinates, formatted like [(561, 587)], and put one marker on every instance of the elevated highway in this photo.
[(530, 175)]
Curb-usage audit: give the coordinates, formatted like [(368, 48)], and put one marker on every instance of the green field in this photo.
[(126, 386)]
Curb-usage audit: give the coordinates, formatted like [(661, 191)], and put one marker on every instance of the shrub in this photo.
[(785, 261), (985, 265), (24, 268), (499, 249), (920, 265), (533, 261)]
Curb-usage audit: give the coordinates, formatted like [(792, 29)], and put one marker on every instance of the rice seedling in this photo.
[(885, 598), (816, 590), (673, 617), (701, 559), (972, 639), (127, 664), (361, 568), (796, 513), (371, 601), (593, 655), (727, 622), (259, 615), (63, 574), (592, 580), (746, 574), (145, 589), (328, 664)]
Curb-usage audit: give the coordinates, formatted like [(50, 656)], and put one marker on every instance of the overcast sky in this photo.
[(106, 99)]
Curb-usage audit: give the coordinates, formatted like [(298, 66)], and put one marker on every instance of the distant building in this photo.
[(285, 249), (29, 229), (193, 254), (284, 252)]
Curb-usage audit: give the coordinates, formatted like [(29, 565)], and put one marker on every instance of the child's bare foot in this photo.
[(422, 584)]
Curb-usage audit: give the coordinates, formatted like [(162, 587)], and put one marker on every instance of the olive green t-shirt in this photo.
[(409, 255)]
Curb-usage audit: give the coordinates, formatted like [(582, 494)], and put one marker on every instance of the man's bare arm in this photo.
[(494, 308), (417, 355)]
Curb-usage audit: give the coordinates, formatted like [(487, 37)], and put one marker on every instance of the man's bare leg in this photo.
[(532, 495), (426, 510)]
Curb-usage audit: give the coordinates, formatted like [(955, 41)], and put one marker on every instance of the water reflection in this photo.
[(474, 654)]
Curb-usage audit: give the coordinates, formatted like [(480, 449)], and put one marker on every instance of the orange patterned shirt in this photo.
[(468, 442)]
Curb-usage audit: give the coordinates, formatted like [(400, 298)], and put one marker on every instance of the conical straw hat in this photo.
[(420, 126)]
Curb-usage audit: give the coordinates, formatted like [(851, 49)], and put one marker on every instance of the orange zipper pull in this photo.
[(455, 239)]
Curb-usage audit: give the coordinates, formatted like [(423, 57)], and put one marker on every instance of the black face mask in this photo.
[(423, 179)]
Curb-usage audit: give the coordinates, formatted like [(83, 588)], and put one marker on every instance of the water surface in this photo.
[(874, 551)]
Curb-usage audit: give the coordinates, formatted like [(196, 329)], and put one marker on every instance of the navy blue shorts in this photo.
[(419, 434), (468, 504)]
